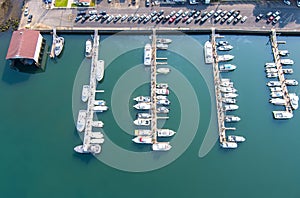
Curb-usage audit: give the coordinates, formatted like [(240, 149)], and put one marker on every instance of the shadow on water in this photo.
[(83, 157), (12, 76)]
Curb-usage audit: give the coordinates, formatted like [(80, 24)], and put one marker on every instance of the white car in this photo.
[(287, 2), (298, 3), (244, 19), (26, 11)]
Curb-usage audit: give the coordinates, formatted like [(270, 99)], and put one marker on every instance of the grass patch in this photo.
[(61, 3)]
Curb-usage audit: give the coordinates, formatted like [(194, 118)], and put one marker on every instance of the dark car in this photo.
[(147, 3), (29, 18)]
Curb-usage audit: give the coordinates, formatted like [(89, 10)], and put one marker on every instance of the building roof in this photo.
[(23, 44)]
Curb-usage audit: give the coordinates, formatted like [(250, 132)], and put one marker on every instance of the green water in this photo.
[(38, 131)]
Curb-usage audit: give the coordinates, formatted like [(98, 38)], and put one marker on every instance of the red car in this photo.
[(172, 19), (270, 19)]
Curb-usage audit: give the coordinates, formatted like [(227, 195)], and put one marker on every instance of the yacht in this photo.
[(222, 43), (142, 122), (235, 138), (225, 57), (292, 82), (272, 75), (163, 70), (276, 94), (225, 47), (277, 101), (161, 97), (230, 107), (229, 100), (283, 52), (93, 148), (288, 71), (100, 108), (98, 124), (232, 118), (147, 54), (208, 52), (273, 83), (271, 70), (227, 67), (226, 84), (162, 91), (144, 115), (163, 102), (99, 102), (229, 145), (161, 146), (143, 106), (230, 95), (282, 115), (286, 61), (270, 65), (294, 99), (162, 110), (88, 48), (81, 120), (162, 85), (142, 99), (165, 132), (163, 40), (85, 93), (142, 132), (228, 89), (58, 44), (275, 88), (142, 140), (99, 70), (162, 46)]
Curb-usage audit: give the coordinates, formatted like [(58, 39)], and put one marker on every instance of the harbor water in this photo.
[(38, 128)]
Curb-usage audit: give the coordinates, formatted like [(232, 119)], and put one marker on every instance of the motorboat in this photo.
[(225, 80), (273, 83), (142, 99), (283, 52), (97, 135), (88, 48), (225, 47), (163, 40), (147, 54), (282, 115), (143, 106), (85, 93), (229, 100), (142, 122), (226, 84), (271, 70), (99, 70), (292, 82), (162, 91), (100, 108), (81, 120), (163, 102), (144, 115), (162, 85), (59, 44), (275, 88), (272, 75), (161, 97), (276, 94), (286, 61), (232, 118), (165, 132), (228, 145), (142, 132), (294, 99), (161, 146), (99, 102), (230, 107), (142, 140), (270, 64), (162, 46), (93, 149), (162, 110), (222, 43), (227, 67), (97, 141), (208, 52), (226, 57), (163, 70), (98, 124), (228, 89), (230, 95), (235, 138), (277, 101), (288, 71)]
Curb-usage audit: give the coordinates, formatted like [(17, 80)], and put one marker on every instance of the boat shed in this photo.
[(26, 47)]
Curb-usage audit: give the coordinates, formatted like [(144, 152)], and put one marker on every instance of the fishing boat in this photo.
[(291, 82), (98, 124), (143, 106), (276, 94), (142, 140), (226, 57), (99, 102), (232, 118), (208, 52), (142, 99), (282, 115), (162, 85), (294, 99), (162, 91), (81, 120), (161, 146), (142, 122), (144, 115), (230, 95), (228, 145), (99, 70), (230, 107), (165, 132), (273, 83), (229, 100), (162, 110), (93, 149), (227, 67), (85, 93), (163, 40), (100, 108), (235, 138), (147, 54), (277, 101), (88, 48), (286, 61), (225, 47), (163, 70)]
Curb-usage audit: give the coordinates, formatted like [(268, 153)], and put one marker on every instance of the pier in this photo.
[(52, 55), (274, 43)]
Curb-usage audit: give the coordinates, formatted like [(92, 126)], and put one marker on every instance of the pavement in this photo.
[(46, 17)]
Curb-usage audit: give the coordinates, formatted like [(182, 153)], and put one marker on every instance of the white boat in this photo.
[(230, 107), (228, 145), (235, 138), (142, 132), (292, 82), (142, 99), (294, 99), (273, 83), (88, 48), (165, 132), (225, 80), (99, 70), (228, 89), (142, 140), (162, 110), (222, 43), (226, 57), (161, 146), (85, 93), (162, 85), (271, 70), (270, 65), (272, 75), (230, 95), (286, 61), (142, 122), (162, 46), (282, 115), (208, 52), (227, 67), (163, 40), (143, 106), (81, 120), (163, 70), (93, 148), (226, 84), (225, 47), (96, 135), (59, 44), (283, 52), (277, 101), (232, 118), (147, 54), (288, 71), (275, 88), (276, 94), (161, 97), (163, 102), (97, 141), (144, 115), (162, 91), (98, 124), (99, 102), (229, 100), (100, 108)]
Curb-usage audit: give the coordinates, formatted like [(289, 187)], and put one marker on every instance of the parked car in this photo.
[(147, 3), (29, 18), (217, 19), (244, 19), (178, 13), (269, 14), (276, 20), (287, 2), (230, 19), (277, 13), (298, 3), (259, 17), (26, 11), (224, 18), (218, 12), (237, 19), (178, 19), (223, 13), (270, 19), (185, 19)]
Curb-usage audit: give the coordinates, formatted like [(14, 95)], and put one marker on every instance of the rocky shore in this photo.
[(10, 12)]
